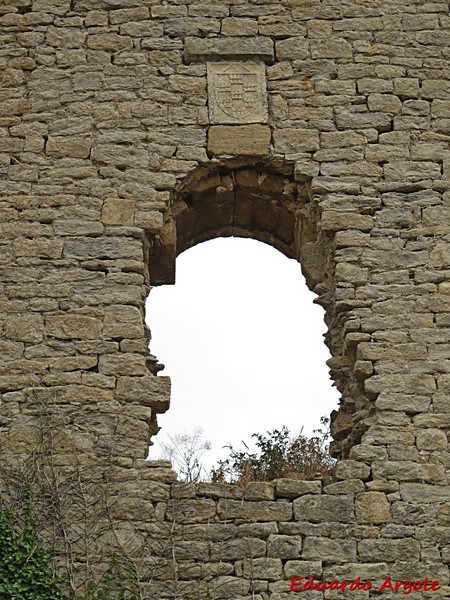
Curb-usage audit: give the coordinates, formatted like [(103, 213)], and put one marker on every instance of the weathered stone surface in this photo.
[(68, 327), (25, 328), (256, 490), (239, 140), (254, 511), (122, 364), (149, 391), (283, 546), (348, 469), (372, 507), (123, 321), (411, 492), (389, 550), (246, 105), (324, 508), (294, 488), (431, 439), (200, 510), (106, 120), (68, 147), (406, 384), (336, 551), (295, 141), (262, 568), (117, 212), (103, 248), (239, 549), (254, 48), (334, 221)]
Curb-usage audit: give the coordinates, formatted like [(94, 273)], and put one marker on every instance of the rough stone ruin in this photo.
[(132, 130)]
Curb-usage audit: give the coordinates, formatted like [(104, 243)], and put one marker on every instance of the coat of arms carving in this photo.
[(237, 93)]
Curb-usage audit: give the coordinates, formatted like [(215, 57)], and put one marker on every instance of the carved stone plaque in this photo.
[(237, 92)]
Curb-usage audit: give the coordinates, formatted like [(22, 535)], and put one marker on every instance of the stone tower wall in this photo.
[(134, 129)]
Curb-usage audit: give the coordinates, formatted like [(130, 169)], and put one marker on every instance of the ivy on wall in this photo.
[(26, 572), (25, 567)]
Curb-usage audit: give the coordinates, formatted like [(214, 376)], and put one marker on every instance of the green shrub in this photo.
[(278, 455)]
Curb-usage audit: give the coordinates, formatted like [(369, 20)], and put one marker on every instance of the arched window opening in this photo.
[(268, 202), (243, 344)]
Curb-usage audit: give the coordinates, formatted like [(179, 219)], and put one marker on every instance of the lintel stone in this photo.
[(254, 48), (239, 140)]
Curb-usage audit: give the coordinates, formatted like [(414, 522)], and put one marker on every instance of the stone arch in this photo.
[(260, 200)]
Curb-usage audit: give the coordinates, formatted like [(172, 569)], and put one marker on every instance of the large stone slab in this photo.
[(202, 49), (244, 140)]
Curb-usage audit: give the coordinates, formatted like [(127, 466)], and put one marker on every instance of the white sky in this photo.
[(243, 344)]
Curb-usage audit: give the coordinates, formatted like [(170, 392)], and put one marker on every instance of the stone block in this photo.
[(10, 350), (431, 439), (373, 508), (331, 48), (25, 328), (336, 551), (342, 139), (293, 48), (122, 321), (233, 26), (306, 169), (406, 470), (352, 469), (292, 568), (292, 141), (410, 404), (389, 550), (243, 140), (351, 571), (262, 568), (49, 6), (238, 549), (319, 509), (379, 435), (103, 248), (342, 488), (117, 155), (259, 490), (226, 586), (148, 390), (252, 48), (254, 511), (122, 363), (283, 546), (294, 488), (117, 211), (109, 42), (335, 221), (73, 326), (150, 220), (404, 383), (199, 510), (426, 492)]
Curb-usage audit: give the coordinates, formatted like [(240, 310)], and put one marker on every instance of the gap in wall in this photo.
[(243, 344)]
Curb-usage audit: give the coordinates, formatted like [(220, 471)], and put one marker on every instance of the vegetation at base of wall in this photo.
[(278, 454), (25, 567)]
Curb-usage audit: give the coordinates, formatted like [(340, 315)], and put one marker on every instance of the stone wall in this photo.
[(134, 129)]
